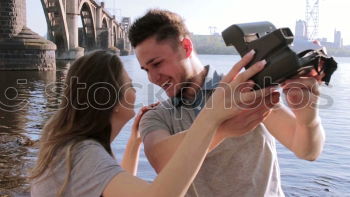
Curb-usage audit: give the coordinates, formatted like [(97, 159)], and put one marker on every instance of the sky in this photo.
[(200, 14)]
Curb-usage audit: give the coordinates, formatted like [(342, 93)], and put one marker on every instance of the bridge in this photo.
[(99, 28)]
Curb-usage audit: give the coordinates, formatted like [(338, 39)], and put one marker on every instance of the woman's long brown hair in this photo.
[(93, 88)]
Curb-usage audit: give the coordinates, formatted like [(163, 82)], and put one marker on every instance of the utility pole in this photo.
[(212, 30), (115, 11)]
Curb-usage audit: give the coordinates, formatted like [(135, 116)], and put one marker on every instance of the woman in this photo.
[(75, 157)]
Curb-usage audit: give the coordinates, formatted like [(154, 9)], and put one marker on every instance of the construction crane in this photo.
[(312, 18)]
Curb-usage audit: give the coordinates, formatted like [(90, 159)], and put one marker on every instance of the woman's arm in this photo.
[(176, 177), (131, 156), (132, 150)]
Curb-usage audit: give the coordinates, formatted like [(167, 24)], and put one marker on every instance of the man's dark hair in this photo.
[(162, 24)]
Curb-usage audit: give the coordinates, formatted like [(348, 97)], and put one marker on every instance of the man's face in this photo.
[(165, 66)]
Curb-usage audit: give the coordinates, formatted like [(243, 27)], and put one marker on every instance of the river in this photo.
[(29, 98)]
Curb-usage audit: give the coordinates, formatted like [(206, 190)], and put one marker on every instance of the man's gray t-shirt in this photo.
[(93, 168), (240, 166)]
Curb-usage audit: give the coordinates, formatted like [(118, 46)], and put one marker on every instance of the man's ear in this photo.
[(187, 45)]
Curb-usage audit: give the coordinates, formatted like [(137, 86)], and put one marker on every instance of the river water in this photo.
[(29, 98)]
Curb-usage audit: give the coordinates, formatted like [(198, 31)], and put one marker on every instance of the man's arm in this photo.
[(305, 141), (159, 145), (299, 128)]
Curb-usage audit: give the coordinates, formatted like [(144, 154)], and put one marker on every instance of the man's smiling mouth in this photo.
[(166, 85)]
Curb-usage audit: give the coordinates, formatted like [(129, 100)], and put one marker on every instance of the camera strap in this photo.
[(321, 62)]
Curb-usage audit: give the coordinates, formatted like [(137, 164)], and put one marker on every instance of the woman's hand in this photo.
[(131, 154), (135, 133), (248, 119), (231, 97)]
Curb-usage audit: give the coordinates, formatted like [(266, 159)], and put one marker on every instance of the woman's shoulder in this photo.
[(92, 168), (90, 150), (88, 143)]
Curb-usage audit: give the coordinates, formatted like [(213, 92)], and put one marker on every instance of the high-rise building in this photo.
[(301, 30), (338, 41)]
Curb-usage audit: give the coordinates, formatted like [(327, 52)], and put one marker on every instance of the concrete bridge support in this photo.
[(100, 29), (72, 17), (21, 48), (62, 17)]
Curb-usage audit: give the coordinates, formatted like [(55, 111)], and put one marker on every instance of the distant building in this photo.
[(324, 42), (126, 22), (338, 40), (323, 39), (300, 30), (327, 44), (301, 41)]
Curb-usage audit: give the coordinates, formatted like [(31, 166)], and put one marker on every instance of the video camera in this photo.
[(272, 45)]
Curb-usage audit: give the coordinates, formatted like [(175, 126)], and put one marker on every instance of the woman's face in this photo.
[(125, 109)]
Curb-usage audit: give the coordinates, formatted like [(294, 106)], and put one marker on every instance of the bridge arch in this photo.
[(96, 28), (114, 35), (88, 39), (105, 22), (104, 35), (56, 24)]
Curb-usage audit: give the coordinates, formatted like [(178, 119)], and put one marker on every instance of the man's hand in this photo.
[(302, 94), (299, 129), (302, 97)]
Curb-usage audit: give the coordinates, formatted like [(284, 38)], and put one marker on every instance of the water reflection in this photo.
[(27, 99)]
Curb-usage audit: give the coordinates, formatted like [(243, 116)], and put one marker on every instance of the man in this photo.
[(242, 160)]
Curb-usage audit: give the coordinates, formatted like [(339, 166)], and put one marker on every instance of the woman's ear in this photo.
[(187, 45)]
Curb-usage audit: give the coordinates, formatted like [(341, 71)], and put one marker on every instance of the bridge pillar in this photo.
[(99, 15), (102, 30), (20, 48), (124, 44), (72, 17)]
